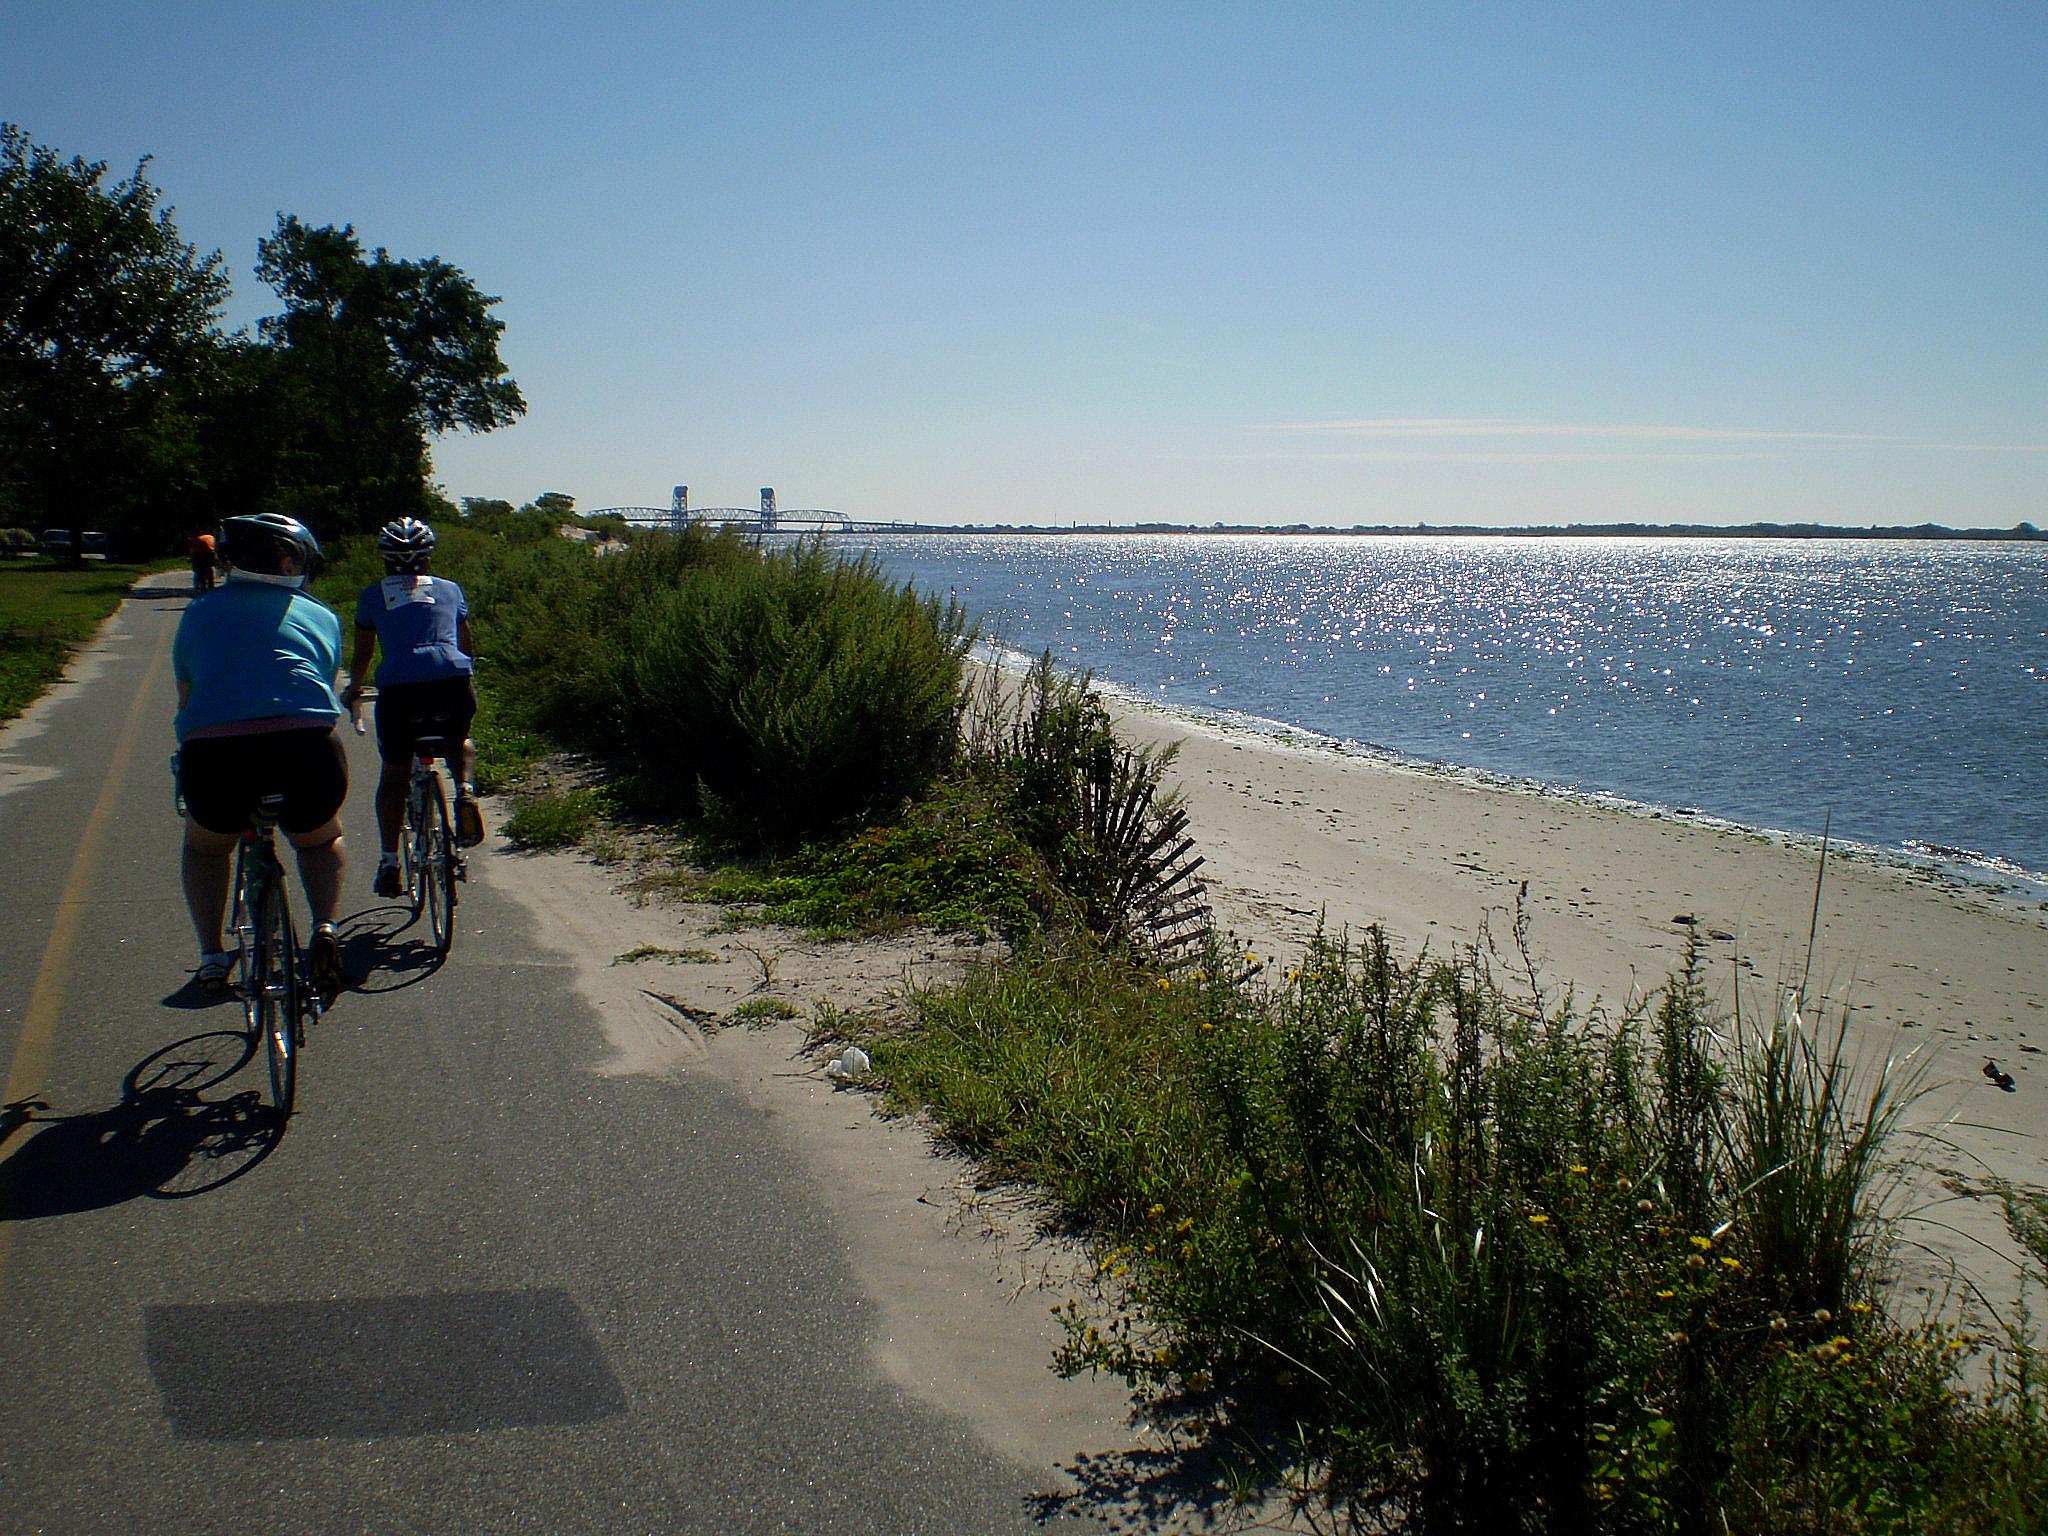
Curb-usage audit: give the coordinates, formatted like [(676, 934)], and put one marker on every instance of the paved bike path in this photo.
[(474, 1286)]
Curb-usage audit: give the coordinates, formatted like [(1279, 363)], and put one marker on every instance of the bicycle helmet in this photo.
[(405, 543), (259, 544)]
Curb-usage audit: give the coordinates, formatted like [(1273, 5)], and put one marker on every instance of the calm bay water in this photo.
[(1901, 687)]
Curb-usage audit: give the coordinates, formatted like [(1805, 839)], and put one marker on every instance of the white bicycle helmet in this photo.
[(406, 544)]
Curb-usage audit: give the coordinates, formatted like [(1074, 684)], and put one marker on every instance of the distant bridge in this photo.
[(766, 518), (796, 520)]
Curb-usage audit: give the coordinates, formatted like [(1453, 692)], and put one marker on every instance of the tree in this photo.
[(108, 319), (384, 353)]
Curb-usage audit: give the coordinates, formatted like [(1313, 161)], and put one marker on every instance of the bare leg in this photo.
[(392, 785), (321, 862), (468, 761), (207, 872)]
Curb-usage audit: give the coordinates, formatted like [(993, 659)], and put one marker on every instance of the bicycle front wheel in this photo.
[(438, 872), (273, 992)]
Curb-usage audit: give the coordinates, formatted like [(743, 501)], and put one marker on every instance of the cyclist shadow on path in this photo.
[(170, 1137), (385, 949)]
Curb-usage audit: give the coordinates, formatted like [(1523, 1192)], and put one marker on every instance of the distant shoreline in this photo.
[(1920, 532)]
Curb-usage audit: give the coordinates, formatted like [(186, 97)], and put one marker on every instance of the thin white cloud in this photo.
[(1482, 427), (1988, 447), (1488, 456)]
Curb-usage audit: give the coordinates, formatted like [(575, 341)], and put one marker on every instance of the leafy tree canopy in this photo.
[(386, 352), (107, 317)]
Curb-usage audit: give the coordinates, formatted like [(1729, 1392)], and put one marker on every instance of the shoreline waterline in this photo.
[(1984, 874)]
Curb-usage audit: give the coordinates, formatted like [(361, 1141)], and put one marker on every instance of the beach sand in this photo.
[(1922, 965)]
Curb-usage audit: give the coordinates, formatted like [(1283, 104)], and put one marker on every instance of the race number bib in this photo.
[(401, 590)]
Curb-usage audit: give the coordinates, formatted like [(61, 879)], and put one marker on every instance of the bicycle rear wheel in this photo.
[(273, 993), (437, 873)]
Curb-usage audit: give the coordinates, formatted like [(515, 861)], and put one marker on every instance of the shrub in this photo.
[(794, 690), (1092, 809)]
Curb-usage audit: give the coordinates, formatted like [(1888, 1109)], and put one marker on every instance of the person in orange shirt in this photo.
[(203, 562)]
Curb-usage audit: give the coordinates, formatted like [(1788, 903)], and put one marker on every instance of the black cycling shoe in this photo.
[(323, 960), (469, 822), (386, 883)]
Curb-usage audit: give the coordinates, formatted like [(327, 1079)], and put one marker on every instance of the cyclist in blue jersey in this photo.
[(425, 682), (256, 660)]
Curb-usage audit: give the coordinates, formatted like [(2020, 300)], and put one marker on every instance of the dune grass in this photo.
[(1491, 1267)]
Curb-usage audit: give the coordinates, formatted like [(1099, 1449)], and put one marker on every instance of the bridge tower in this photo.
[(679, 507), (767, 509)]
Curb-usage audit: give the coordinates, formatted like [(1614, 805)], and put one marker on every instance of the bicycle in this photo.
[(429, 866), (278, 996)]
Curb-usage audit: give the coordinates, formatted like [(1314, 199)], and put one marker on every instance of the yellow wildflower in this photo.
[(1701, 1243), (1538, 1219)]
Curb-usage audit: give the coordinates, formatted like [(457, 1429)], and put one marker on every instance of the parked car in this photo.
[(56, 542)]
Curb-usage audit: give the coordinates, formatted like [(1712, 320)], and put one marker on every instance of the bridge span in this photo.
[(795, 520), (766, 518)]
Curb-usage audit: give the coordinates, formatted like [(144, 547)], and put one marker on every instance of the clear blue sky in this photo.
[(1264, 263)]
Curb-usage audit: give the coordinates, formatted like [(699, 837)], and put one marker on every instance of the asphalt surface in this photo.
[(472, 1286)]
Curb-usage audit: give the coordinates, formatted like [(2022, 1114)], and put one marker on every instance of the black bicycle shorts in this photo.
[(408, 711), (223, 777)]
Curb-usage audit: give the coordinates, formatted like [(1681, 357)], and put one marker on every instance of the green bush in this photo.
[(1094, 809), (794, 691)]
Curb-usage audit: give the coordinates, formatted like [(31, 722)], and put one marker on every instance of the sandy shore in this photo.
[(1919, 963)]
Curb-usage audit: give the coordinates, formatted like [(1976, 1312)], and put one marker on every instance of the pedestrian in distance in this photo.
[(204, 561), (256, 660), (426, 683)]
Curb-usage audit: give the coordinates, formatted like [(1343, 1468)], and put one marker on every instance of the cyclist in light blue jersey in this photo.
[(255, 661), (425, 682)]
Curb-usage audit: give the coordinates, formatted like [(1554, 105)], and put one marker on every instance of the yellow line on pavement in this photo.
[(46, 996)]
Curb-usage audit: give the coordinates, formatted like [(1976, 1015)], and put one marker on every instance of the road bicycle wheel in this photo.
[(437, 871), (273, 992)]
